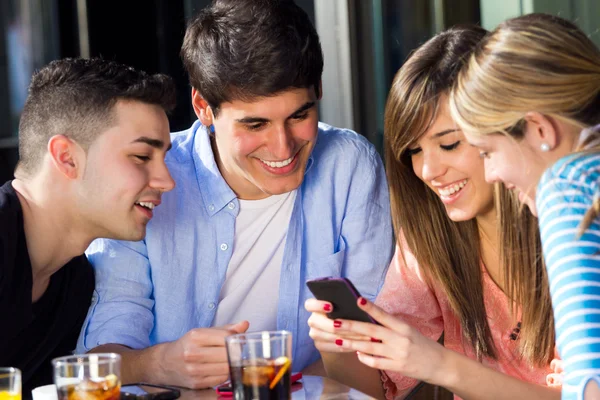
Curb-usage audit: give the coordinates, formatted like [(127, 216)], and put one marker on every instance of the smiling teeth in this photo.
[(278, 164), (146, 204), (450, 190)]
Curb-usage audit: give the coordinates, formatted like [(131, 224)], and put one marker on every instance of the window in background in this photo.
[(383, 33), (585, 13), (28, 40)]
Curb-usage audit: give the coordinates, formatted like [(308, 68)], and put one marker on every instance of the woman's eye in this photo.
[(142, 158), (450, 146), (412, 152), (483, 154)]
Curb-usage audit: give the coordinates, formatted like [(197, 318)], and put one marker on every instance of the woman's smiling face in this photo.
[(453, 169)]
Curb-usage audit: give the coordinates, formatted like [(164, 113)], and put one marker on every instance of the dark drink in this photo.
[(108, 389), (262, 379)]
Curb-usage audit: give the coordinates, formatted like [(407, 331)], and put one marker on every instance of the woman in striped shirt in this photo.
[(529, 99)]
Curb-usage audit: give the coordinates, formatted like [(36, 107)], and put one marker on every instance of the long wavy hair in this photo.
[(449, 252)]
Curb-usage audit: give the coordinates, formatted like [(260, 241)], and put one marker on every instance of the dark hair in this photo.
[(75, 97), (242, 49)]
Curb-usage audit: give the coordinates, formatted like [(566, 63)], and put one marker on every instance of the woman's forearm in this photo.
[(470, 379)]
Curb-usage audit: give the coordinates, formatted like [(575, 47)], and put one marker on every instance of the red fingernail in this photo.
[(337, 324), (339, 342), (363, 301), (375, 340), (327, 307)]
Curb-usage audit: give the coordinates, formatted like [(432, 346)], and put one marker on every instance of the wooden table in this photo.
[(311, 387)]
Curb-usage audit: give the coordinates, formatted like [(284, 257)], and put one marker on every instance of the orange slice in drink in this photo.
[(285, 365)]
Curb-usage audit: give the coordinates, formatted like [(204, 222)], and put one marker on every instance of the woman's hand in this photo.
[(323, 329), (393, 346), (555, 378)]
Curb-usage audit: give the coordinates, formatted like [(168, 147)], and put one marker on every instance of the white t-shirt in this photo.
[(251, 288)]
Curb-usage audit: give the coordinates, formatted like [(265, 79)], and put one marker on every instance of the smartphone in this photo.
[(147, 391), (225, 390), (342, 294)]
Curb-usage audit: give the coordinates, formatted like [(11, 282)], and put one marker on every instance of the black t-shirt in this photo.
[(31, 335)]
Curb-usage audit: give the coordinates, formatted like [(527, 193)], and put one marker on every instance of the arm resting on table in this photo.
[(138, 365)]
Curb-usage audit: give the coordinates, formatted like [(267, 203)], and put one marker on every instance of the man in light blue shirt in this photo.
[(266, 198)]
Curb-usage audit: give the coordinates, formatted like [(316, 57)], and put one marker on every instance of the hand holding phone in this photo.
[(342, 294)]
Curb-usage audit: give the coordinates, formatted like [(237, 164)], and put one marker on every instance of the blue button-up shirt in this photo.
[(158, 289)]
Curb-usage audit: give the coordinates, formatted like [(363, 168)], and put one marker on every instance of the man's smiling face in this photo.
[(262, 147)]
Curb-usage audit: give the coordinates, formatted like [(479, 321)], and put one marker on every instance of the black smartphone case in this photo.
[(342, 294), (169, 393)]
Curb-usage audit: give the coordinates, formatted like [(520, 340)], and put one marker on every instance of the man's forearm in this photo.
[(137, 365)]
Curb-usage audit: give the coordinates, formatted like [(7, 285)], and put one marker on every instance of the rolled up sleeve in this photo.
[(121, 309)]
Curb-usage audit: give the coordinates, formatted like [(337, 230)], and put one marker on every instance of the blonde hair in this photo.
[(536, 62), (447, 251)]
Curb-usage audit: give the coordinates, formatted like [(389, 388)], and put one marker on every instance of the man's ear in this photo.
[(66, 156), (202, 109), (541, 132)]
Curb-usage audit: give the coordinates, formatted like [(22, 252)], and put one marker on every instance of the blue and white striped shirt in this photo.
[(565, 193)]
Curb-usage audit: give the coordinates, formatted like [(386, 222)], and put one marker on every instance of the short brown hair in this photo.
[(243, 49), (75, 97)]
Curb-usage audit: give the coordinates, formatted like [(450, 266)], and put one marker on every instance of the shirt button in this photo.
[(231, 206), (224, 246), (211, 306), (211, 208)]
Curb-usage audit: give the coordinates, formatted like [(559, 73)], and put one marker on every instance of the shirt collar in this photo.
[(216, 193)]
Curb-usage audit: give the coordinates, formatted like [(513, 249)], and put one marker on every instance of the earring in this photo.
[(545, 147), (211, 128)]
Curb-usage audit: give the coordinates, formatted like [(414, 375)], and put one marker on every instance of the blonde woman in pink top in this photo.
[(467, 266)]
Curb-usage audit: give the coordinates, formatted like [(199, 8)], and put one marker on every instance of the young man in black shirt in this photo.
[(92, 140)]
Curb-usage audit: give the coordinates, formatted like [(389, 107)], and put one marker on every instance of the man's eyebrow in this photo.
[(304, 107), (256, 120), (156, 143), (443, 133), (251, 120)]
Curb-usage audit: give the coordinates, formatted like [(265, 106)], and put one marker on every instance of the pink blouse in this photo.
[(406, 295)]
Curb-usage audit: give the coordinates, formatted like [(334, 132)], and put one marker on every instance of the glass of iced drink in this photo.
[(10, 383), (88, 377), (260, 365)]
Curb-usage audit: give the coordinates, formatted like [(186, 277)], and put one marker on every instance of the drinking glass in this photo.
[(260, 365), (88, 376), (10, 383)]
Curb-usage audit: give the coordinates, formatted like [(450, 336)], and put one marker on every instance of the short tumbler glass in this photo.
[(260, 365), (88, 376), (10, 383)]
